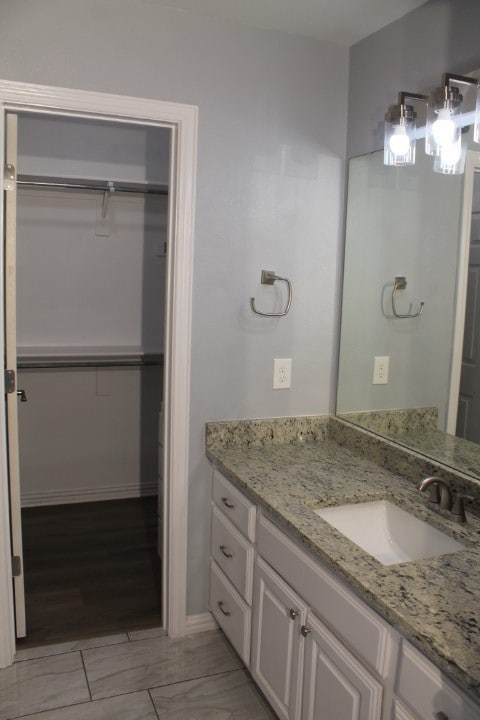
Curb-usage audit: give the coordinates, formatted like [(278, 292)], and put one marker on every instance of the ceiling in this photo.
[(341, 21)]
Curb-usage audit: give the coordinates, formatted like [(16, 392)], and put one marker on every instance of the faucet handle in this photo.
[(458, 508)]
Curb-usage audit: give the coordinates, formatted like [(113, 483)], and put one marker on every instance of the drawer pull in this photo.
[(224, 551), (227, 504), (441, 716), (305, 631), (294, 613), (220, 605)]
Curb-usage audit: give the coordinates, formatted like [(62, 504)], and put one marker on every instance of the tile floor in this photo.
[(131, 676)]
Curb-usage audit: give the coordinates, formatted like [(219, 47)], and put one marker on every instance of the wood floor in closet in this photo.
[(90, 569)]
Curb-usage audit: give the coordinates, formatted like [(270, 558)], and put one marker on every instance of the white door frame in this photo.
[(182, 120), (471, 165)]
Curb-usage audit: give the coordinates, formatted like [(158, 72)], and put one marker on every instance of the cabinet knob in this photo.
[(220, 605), (306, 631), (441, 715), (224, 551), (227, 504), (294, 613)]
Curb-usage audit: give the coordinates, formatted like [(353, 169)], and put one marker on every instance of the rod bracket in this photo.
[(9, 177)]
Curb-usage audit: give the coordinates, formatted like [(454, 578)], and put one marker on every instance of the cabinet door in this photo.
[(277, 644), (336, 685), (400, 712)]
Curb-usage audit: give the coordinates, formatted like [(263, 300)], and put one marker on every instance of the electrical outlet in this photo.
[(380, 370), (282, 373)]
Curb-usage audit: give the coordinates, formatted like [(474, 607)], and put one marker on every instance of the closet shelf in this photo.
[(41, 181), (79, 357)]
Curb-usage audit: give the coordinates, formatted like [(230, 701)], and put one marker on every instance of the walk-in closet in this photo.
[(91, 269)]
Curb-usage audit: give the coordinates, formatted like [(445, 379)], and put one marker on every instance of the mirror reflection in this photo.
[(409, 371)]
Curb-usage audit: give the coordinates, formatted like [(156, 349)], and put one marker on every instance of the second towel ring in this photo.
[(268, 277), (400, 283)]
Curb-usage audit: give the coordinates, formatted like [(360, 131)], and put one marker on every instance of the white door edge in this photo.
[(472, 163), (182, 119)]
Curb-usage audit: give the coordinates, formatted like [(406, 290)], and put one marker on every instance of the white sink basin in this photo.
[(387, 532)]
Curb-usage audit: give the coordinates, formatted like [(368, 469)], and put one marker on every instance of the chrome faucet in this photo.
[(441, 499), (440, 492)]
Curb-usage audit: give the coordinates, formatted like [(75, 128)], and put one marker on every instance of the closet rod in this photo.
[(71, 184), (53, 364)]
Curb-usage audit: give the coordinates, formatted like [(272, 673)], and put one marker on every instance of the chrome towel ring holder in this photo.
[(268, 277), (400, 283)]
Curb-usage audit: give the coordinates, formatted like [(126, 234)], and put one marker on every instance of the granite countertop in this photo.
[(447, 449), (416, 428), (433, 602)]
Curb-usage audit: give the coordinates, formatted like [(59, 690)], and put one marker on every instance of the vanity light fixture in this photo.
[(400, 131), (443, 131), (445, 138)]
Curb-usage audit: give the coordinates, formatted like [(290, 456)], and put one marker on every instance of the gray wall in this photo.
[(89, 434), (82, 282), (410, 54), (92, 149), (272, 129)]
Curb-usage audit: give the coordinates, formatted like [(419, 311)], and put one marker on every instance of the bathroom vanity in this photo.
[(327, 630)]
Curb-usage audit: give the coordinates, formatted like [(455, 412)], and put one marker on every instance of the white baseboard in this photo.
[(81, 495), (200, 623)]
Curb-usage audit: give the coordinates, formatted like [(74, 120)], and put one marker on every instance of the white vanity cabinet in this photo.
[(314, 648), (277, 642), (304, 670), (336, 685), (231, 563), (292, 649)]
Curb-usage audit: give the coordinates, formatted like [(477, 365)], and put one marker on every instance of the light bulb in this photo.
[(443, 128), (450, 154), (399, 141)]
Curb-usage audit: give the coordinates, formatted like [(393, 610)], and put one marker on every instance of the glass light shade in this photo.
[(451, 159), (399, 141), (476, 129), (441, 128)]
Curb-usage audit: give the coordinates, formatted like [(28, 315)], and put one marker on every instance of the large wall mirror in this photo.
[(413, 237)]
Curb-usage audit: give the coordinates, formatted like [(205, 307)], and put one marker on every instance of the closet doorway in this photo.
[(92, 201), (182, 121), (91, 246)]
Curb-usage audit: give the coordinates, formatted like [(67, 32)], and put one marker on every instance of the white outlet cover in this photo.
[(380, 369), (282, 373)]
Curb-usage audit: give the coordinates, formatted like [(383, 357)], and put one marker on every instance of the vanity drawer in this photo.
[(361, 628), (233, 553), (239, 510), (425, 689), (230, 611)]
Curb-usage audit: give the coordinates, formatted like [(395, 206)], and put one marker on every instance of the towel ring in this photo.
[(400, 283), (268, 277)]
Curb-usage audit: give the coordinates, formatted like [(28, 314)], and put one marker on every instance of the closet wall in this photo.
[(90, 288)]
